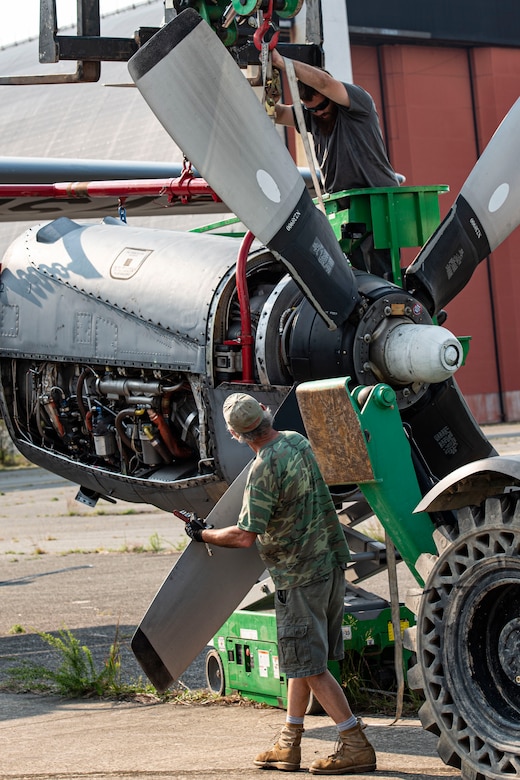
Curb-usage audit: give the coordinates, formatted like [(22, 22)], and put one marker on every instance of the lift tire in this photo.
[(468, 640), (215, 678)]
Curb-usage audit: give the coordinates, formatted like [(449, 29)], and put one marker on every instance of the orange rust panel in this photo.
[(335, 433)]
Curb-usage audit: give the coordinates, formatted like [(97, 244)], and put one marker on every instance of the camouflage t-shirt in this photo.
[(287, 503)]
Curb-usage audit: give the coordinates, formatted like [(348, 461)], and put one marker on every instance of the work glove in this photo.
[(195, 527)]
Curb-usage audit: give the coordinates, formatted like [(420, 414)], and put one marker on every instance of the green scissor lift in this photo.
[(397, 217), (244, 658), (358, 439)]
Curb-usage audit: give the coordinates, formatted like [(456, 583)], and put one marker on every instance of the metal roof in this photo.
[(105, 121)]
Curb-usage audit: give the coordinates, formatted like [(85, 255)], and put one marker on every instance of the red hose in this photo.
[(177, 449), (246, 337)]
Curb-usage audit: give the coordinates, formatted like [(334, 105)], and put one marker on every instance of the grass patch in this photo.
[(77, 676), (156, 544), (371, 688), (10, 458), (75, 509)]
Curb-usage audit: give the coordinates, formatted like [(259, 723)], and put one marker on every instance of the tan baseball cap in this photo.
[(242, 412)]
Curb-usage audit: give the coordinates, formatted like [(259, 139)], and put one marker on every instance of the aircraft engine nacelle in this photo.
[(119, 346)]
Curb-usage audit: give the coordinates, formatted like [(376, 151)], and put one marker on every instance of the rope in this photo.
[(396, 624), (311, 160)]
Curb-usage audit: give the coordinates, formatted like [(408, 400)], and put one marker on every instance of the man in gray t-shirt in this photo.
[(349, 146)]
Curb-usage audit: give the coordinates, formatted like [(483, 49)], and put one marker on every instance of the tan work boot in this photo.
[(286, 753), (354, 754)]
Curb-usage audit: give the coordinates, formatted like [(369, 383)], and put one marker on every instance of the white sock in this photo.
[(294, 720), (347, 724)]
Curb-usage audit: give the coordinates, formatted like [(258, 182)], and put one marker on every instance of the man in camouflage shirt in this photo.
[(288, 512)]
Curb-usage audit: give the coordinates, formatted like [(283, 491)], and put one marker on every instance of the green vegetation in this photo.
[(372, 689), (9, 455), (77, 676), (17, 629), (156, 544)]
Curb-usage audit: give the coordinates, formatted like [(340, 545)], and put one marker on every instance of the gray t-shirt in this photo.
[(353, 156)]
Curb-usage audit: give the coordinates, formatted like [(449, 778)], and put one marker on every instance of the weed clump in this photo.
[(76, 674)]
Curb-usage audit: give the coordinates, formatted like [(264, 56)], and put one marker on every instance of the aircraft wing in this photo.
[(22, 205)]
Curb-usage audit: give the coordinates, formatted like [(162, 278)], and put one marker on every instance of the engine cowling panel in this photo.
[(120, 344)]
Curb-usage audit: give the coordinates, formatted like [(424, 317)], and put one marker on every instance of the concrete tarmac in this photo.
[(55, 566), (44, 737)]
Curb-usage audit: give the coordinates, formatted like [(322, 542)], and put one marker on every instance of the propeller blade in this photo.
[(485, 212), (196, 90)]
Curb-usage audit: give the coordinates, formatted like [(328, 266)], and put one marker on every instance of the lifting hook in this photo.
[(263, 29)]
